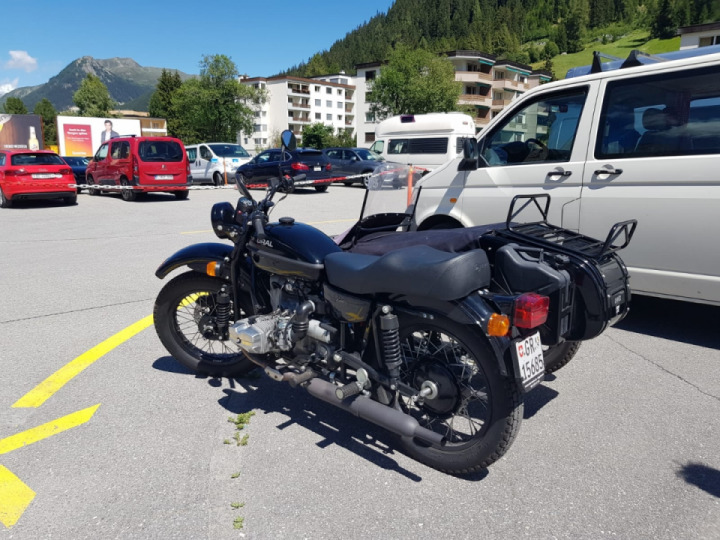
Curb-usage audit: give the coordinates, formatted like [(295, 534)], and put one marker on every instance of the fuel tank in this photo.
[(292, 249)]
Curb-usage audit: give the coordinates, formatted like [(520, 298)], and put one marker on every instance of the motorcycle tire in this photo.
[(185, 305), (558, 356), (477, 409)]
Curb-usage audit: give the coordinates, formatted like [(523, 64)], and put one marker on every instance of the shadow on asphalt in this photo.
[(702, 476), (686, 322)]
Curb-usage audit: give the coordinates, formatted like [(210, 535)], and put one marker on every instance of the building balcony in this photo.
[(474, 99), (298, 120), (501, 102), (305, 91), (473, 76), (510, 85), (301, 106)]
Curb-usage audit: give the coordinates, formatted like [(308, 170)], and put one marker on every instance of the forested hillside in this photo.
[(516, 29)]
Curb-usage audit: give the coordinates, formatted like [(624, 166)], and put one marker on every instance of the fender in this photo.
[(472, 310), (196, 257)]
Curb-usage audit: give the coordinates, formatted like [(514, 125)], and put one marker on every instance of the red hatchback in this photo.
[(34, 174)]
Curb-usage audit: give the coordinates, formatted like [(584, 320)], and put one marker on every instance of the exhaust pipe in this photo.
[(363, 407)]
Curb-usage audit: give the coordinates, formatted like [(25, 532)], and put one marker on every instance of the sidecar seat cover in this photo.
[(416, 271)]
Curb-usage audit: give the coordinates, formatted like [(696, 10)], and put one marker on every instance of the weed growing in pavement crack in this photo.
[(236, 505), (235, 475), (239, 522)]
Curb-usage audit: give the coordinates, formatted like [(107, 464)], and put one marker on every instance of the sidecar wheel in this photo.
[(476, 409), (184, 317), (558, 356)]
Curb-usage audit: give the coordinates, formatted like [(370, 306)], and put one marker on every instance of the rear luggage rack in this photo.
[(542, 232)]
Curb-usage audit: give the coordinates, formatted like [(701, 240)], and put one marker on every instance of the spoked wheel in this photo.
[(186, 320), (468, 402)]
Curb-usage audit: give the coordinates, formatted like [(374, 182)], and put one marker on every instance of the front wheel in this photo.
[(217, 179), (471, 404), (186, 321)]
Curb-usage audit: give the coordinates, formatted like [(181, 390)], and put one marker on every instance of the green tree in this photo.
[(663, 25), (161, 100), (215, 106), (48, 113), (15, 105), (415, 81), (93, 98), (317, 135)]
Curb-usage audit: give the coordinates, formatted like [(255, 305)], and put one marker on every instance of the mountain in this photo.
[(129, 83)]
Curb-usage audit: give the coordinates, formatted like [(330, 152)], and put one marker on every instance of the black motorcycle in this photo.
[(435, 335)]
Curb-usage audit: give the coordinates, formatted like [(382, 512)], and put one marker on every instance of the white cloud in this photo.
[(7, 87), (21, 60)]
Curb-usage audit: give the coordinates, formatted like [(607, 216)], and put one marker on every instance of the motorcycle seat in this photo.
[(416, 271)]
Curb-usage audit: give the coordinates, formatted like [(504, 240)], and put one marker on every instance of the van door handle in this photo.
[(608, 171), (560, 173)]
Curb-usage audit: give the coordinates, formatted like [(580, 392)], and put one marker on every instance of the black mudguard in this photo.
[(473, 310), (196, 257)]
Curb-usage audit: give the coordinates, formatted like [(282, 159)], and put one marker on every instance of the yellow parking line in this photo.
[(15, 497), (43, 391), (33, 435)]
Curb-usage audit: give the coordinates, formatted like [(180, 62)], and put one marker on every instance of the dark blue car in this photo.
[(78, 166)]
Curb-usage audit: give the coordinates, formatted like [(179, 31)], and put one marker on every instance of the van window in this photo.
[(120, 150), (661, 115), (229, 150), (205, 153), (101, 153), (426, 145), (160, 151), (378, 146), (191, 153), (542, 131)]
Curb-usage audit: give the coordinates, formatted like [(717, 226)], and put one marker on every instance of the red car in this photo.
[(139, 165), (34, 174)]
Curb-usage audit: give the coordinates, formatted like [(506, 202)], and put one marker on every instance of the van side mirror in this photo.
[(471, 153)]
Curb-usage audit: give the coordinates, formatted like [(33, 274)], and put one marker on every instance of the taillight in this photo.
[(328, 167), (16, 172), (530, 310), (65, 171), (135, 166), (299, 166)]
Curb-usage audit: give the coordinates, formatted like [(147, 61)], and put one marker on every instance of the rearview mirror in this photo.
[(471, 153), (288, 140)]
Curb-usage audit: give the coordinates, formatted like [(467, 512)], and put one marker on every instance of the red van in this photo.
[(140, 165)]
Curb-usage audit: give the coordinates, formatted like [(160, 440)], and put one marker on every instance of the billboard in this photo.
[(21, 131), (81, 135)]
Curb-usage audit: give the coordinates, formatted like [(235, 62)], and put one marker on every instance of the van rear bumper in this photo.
[(161, 187)]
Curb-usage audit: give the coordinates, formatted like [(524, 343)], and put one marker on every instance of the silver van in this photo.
[(637, 142), (215, 162)]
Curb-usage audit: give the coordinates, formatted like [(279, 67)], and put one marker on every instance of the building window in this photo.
[(328, 90), (340, 105), (318, 102), (370, 75), (329, 117), (328, 103), (369, 117), (369, 136), (340, 117), (317, 88), (318, 116), (499, 76)]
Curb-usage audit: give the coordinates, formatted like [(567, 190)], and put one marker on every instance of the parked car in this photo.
[(34, 174), (78, 164), (214, 162), (621, 143), (353, 161), (312, 163), (140, 165)]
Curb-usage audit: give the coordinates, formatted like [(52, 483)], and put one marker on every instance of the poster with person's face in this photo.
[(82, 136), (21, 132)]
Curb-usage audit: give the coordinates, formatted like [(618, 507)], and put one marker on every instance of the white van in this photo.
[(213, 162), (633, 143), (422, 140)]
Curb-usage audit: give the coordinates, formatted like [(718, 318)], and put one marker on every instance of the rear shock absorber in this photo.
[(390, 335)]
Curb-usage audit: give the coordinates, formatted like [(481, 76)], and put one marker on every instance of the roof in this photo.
[(637, 58), (698, 28)]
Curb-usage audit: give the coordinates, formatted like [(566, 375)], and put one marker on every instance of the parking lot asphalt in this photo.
[(622, 442)]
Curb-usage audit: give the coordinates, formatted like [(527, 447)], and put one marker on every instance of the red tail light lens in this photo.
[(531, 310), (135, 166), (295, 166), (65, 171), (328, 167)]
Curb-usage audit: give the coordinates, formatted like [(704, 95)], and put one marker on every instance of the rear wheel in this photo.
[(128, 193), (321, 189), (217, 179), (558, 356), (72, 199), (182, 195), (186, 321), (476, 409), (4, 201)]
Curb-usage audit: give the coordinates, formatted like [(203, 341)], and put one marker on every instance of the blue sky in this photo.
[(39, 38)]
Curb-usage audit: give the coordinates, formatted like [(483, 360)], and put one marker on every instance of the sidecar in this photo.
[(585, 278)]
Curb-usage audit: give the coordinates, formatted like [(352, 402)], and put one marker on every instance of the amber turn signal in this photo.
[(498, 325), (211, 269)]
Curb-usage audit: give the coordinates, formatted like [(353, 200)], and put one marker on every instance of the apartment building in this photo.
[(489, 85), (294, 103)]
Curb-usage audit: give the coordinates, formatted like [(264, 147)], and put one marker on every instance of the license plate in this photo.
[(529, 361), (163, 177), (46, 175), (316, 168)]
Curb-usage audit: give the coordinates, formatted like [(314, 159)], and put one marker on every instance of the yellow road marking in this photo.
[(43, 391), (33, 435), (15, 497)]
